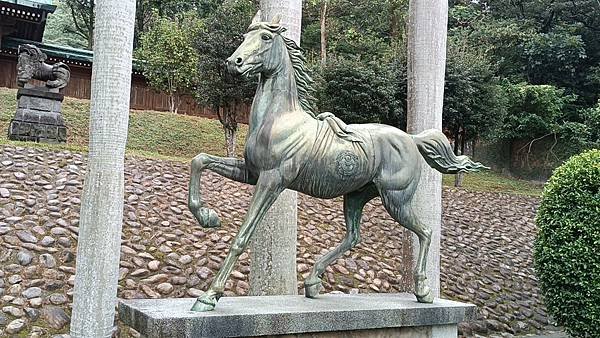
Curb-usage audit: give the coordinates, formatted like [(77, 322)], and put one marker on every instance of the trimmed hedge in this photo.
[(567, 248)]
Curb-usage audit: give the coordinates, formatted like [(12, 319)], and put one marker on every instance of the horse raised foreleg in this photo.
[(231, 168), (268, 188), (353, 206)]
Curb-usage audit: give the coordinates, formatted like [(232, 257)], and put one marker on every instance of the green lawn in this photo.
[(151, 134), (491, 181), (178, 137)]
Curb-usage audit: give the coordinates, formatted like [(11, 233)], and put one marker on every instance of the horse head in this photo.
[(30, 59), (262, 50)]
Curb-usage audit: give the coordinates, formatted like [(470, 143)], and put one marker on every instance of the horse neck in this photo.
[(275, 94)]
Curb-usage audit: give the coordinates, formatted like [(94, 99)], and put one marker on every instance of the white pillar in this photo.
[(427, 33), (273, 247), (101, 216)]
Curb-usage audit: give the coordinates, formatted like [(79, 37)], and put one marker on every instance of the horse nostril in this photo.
[(238, 61)]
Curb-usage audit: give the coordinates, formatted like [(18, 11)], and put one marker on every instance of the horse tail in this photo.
[(437, 152)]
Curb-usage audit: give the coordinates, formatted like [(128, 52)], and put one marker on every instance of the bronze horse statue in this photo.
[(31, 65), (288, 147)]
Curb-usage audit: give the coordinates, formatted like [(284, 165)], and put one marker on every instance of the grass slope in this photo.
[(178, 137), (150, 133)]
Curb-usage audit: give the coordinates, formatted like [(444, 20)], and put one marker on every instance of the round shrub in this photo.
[(567, 248)]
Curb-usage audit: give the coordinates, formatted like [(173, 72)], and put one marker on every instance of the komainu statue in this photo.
[(32, 65), (290, 147)]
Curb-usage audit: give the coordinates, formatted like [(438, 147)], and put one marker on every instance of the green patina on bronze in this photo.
[(288, 147)]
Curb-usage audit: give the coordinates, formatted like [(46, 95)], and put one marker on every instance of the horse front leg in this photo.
[(268, 188), (232, 168)]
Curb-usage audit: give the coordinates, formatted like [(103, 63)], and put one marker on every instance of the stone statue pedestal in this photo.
[(38, 117), (363, 315)]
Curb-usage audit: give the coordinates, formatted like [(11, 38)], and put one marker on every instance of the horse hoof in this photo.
[(207, 218), (312, 290), (202, 307), (427, 297), (206, 302)]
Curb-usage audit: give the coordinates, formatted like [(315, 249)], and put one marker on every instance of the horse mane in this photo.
[(304, 82)]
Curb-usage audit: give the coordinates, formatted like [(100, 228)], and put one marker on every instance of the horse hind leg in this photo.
[(353, 206), (399, 206)]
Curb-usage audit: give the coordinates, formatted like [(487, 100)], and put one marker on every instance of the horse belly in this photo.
[(335, 167)]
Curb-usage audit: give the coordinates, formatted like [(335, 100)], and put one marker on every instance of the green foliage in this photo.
[(220, 36), (168, 58), (585, 134), (473, 100), (355, 28), (566, 249), (362, 92), (82, 18), (553, 57), (216, 41), (59, 29), (533, 110)]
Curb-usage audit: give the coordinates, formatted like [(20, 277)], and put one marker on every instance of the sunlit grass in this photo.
[(151, 133), (491, 181)]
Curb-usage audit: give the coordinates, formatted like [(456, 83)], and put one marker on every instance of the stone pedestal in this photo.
[(38, 117), (365, 315)]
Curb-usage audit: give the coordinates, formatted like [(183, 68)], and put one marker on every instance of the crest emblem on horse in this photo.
[(290, 147)]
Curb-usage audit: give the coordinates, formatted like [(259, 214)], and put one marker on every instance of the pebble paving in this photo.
[(487, 241)]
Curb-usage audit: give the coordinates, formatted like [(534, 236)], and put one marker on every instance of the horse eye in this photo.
[(266, 37)]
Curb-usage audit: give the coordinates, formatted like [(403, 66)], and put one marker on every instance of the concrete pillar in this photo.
[(273, 247), (427, 30)]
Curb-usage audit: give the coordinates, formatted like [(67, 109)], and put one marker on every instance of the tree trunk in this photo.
[(427, 30), (139, 23), (463, 137), (230, 140), (395, 20), (230, 126), (458, 177), (91, 19), (273, 248), (101, 216), (171, 102), (324, 32), (456, 136)]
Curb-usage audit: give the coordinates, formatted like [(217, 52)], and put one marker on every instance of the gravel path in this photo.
[(486, 245)]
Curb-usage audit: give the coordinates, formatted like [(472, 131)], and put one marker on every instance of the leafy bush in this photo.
[(474, 103), (534, 110), (566, 249), (362, 92), (168, 59)]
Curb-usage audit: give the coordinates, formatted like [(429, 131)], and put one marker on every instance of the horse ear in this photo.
[(276, 19), (256, 17)]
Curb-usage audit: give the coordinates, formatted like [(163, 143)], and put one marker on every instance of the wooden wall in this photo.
[(142, 97)]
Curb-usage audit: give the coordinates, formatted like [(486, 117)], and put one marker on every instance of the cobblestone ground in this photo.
[(486, 245)]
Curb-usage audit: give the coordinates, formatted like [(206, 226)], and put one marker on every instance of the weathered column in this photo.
[(273, 247), (99, 243), (427, 30)]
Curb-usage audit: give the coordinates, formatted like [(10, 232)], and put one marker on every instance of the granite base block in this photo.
[(38, 117), (365, 315)]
